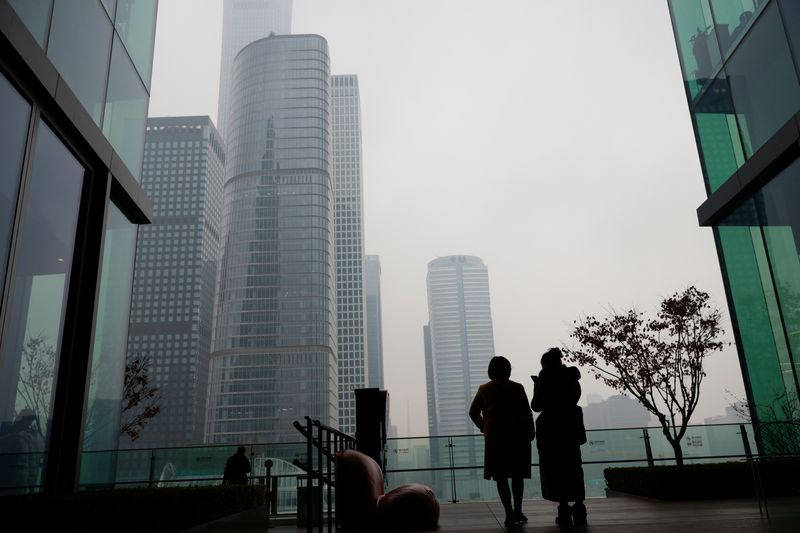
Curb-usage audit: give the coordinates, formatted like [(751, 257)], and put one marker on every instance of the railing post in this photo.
[(647, 449), (331, 459), (321, 475), (745, 441), (152, 475), (453, 489), (309, 474), (268, 488)]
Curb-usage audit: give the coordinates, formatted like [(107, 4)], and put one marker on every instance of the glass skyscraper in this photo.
[(461, 339), (741, 67), (245, 21), (74, 91), (349, 238), (372, 275), (176, 264), (275, 347)]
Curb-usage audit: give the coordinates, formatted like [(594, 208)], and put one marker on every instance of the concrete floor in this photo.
[(619, 514)]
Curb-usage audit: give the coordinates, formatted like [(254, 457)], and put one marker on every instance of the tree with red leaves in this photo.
[(657, 360)]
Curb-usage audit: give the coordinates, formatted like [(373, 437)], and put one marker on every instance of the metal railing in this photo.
[(451, 465)]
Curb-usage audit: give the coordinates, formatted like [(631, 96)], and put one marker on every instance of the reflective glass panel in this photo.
[(732, 18), (111, 7), (35, 15), (791, 19), (777, 205), (126, 110), (104, 404), (719, 141), (15, 112), (697, 42), (755, 307), (136, 24), (763, 82), (35, 312), (79, 46)]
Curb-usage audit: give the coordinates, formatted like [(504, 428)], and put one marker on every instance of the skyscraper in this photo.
[(74, 91), (741, 69), (176, 263), (349, 235), (274, 358), (372, 275), (245, 21), (461, 338)]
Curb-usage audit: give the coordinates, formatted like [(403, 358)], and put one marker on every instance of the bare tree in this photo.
[(657, 360), (35, 384), (140, 398), (778, 430)]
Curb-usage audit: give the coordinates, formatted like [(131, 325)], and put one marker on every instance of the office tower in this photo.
[(349, 238), (176, 263), (433, 430), (740, 64), (74, 90), (245, 21), (461, 338), (274, 358), (372, 274), (616, 411)]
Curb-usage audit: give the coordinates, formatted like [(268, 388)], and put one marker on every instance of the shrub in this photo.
[(706, 481)]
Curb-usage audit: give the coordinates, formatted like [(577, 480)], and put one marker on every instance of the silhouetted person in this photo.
[(236, 468), (500, 410), (561, 432)]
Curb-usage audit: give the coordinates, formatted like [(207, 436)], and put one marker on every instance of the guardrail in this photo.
[(451, 465)]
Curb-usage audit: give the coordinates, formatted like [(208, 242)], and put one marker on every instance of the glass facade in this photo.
[(104, 51), (738, 104), (36, 304), (274, 357), (66, 253), (739, 77), (104, 403), (372, 276), (176, 269), (243, 23), (349, 237), (461, 338)]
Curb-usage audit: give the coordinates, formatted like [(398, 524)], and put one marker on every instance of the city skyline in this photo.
[(573, 216)]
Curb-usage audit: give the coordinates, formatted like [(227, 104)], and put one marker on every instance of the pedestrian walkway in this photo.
[(609, 515)]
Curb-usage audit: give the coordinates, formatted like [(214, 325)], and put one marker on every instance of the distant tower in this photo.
[(374, 322), (274, 358), (176, 265), (461, 339), (349, 235), (245, 21)]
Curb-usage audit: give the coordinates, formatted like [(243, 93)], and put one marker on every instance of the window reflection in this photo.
[(15, 112), (35, 312)]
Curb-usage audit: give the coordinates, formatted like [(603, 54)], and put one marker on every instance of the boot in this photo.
[(564, 518), (579, 514)]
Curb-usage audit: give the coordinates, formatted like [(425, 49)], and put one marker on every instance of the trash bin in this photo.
[(302, 502)]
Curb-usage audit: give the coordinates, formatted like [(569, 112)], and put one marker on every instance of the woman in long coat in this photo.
[(560, 429), (501, 412)]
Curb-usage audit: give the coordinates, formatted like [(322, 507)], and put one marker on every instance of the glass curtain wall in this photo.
[(739, 76), (36, 302)]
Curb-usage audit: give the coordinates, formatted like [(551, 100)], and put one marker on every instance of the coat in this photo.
[(500, 410), (236, 469), (560, 433)]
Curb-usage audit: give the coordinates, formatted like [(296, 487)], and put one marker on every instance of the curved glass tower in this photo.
[(274, 358)]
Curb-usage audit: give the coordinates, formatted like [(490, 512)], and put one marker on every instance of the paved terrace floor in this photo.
[(619, 514)]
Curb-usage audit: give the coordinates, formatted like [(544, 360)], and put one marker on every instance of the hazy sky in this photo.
[(551, 139)]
